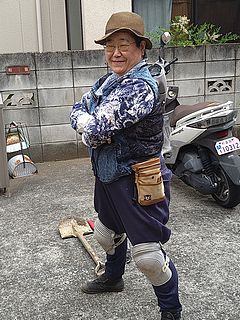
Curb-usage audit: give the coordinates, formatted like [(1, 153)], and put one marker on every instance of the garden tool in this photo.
[(75, 227)]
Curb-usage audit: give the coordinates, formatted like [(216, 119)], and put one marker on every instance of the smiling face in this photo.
[(122, 53)]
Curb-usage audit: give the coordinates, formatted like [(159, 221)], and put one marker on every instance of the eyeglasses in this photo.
[(122, 47)]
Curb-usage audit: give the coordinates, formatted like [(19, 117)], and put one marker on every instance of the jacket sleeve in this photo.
[(130, 102), (79, 115)]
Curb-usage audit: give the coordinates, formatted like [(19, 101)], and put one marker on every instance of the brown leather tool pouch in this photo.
[(149, 182)]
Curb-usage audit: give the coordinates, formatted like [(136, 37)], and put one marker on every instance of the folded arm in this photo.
[(126, 105)]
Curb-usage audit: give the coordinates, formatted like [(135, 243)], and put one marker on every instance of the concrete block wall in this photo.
[(209, 73), (43, 99)]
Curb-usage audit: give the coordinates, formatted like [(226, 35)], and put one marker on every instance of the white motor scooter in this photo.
[(199, 146)]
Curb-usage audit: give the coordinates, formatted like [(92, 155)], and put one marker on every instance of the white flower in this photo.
[(184, 20), (214, 36)]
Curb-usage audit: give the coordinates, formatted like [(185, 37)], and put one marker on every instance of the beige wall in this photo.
[(95, 17), (24, 28), (54, 27), (19, 26)]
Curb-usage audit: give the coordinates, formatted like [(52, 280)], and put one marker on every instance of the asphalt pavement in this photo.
[(41, 273)]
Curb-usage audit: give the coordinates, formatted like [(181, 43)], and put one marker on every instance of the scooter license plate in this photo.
[(227, 145)]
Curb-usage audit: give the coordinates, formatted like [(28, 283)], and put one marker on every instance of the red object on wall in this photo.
[(17, 70)]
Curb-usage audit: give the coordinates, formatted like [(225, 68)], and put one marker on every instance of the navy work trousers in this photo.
[(118, 210)]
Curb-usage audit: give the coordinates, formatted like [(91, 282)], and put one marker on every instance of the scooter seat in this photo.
[(183, 110)]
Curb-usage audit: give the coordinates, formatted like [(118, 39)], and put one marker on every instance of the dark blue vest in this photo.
[(137, 143)]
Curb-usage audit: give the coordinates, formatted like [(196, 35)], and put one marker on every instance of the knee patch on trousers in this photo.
[(107, 238), (150, 260)]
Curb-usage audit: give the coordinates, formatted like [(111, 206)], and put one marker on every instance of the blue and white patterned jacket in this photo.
[(125, 125)]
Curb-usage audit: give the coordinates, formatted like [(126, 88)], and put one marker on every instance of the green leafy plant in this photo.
[(185, 34)]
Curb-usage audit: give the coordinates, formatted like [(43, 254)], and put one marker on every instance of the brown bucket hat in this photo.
[(125, 21)]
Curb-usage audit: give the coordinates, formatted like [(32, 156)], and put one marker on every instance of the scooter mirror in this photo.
[(165, 38)]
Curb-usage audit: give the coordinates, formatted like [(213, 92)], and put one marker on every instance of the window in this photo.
[(154, 12), (222, 13), (74, 24)]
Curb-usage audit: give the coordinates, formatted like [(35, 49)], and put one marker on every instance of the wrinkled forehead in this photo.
[(120, 36)]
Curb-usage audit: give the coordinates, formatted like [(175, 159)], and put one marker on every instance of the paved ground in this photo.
[(41, 274)]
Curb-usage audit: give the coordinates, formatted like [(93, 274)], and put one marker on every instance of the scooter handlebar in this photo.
[(168, 64)]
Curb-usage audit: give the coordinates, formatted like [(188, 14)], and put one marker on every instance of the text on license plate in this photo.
[(227, 145)]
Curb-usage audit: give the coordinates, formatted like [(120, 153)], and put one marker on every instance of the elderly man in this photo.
[(120, 120)]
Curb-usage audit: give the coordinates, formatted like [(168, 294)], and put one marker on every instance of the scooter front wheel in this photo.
[(227, 194)]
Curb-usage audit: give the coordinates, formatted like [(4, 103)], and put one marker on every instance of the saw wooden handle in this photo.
[(85, 243), (89, 248), (100, 267)]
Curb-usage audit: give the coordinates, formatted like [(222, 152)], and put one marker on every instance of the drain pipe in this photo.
[(4, 177), (39, 25)]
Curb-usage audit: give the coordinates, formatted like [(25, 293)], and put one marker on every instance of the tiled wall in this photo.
[(43, 99)]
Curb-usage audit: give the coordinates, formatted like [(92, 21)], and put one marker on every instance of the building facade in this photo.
[(60, 25), (44, 36)]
